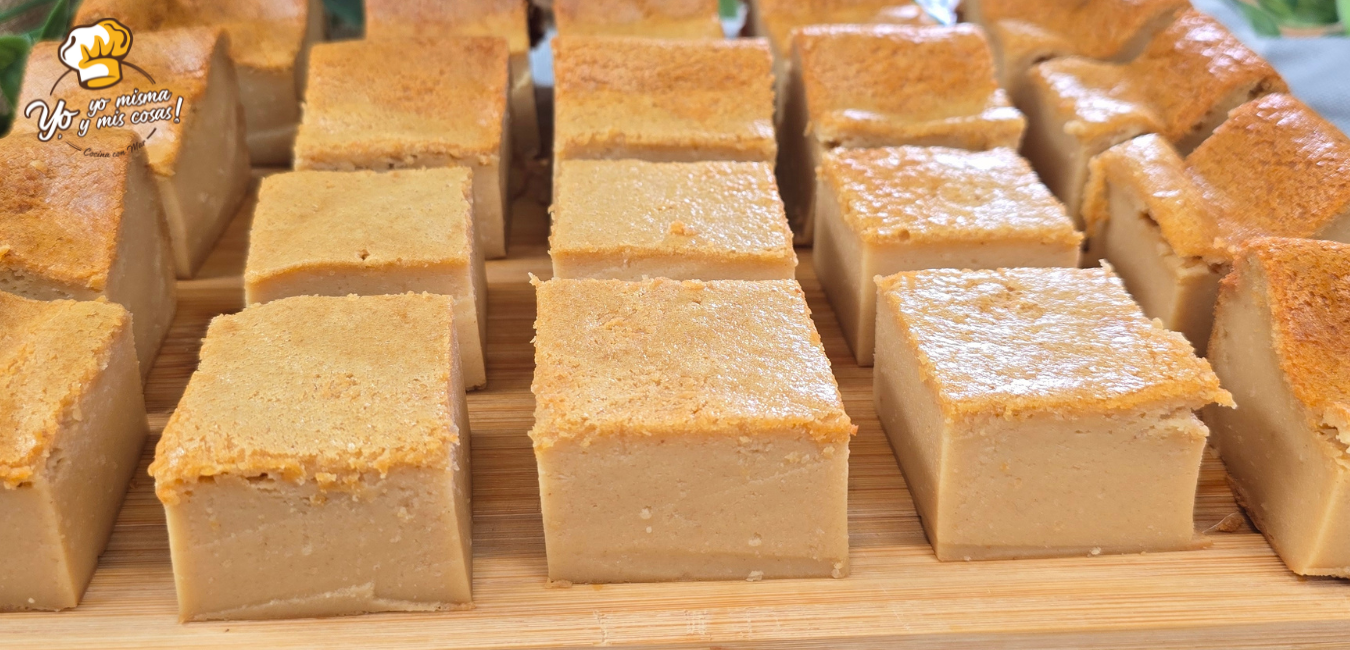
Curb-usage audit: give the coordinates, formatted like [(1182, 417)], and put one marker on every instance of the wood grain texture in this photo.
[(1235, 593)]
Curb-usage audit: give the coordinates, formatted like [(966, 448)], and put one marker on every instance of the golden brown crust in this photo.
[(663, 357), (264, 34), (404, 99), (713, 96), (1186, 71), (781, 17), (179, 59), (361, 221), (728, 211), (1307, 286), (649, 18), (60, 210), (937, 194), (49, 353), (1275, 168), (1017, 342), (1097, 29), (506, 19), (897, 84), (1157, 176), (316, 389)]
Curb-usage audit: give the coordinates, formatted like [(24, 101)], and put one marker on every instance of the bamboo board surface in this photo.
[(1235, 593)]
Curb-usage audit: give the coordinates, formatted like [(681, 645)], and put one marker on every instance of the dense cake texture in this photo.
[(410, 103), (310, 415), (882, 211), (649, 18), (626, 219), (663, 100), (508, 19), (1274, 168), (886, 85), (200, 162), (1037, 412), (82, 227), (663, 409), (372, 233), (1025, 33), (1279, 344), (269, 43), (72, 422), (1181, 86)]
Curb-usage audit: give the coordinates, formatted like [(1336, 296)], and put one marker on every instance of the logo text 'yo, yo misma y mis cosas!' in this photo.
[(97, 53)]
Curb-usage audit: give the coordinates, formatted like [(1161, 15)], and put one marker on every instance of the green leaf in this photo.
[(13, 58), (347, 11), (1261, 21), (58, 21)]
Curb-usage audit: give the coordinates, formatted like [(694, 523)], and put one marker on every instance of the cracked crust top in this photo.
[(325, 389), (49, 353), (935, 194), (1020, 342), (1097, 29), (665, 357)]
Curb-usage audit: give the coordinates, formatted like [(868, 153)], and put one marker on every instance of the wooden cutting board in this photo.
[(1235, 593)]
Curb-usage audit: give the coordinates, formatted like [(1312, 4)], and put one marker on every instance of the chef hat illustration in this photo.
[(96, 52)]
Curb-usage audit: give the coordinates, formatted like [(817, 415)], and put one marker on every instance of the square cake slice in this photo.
[(649, 18), (629, 219), (83, 227), (1026, 32), (1038, 413), (72, 423), (508, 19), (372, 233), (663, 100), (318, 462), (411, 103), (882, 86), (882, 211), (777, 19), (687, 431), (1169, 226), (200, 160), (1280, 346), (1181, 87), (269, 43)]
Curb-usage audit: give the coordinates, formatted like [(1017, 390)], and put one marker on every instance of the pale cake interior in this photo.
[(913, 208), (275, 520), (684, 405), (1047, 432), (59, 517)]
